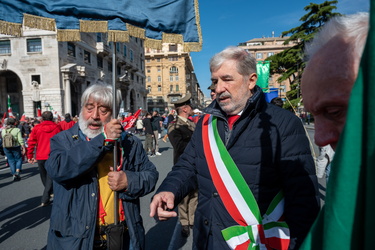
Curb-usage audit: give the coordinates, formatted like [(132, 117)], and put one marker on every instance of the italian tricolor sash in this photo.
[(253, 230)]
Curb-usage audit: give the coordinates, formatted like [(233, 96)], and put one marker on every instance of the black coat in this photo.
[(271, 150)]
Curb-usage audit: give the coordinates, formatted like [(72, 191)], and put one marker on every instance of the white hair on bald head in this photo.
[(101, 92), (353, 28)]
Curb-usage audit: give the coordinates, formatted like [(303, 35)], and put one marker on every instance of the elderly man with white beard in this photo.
[(81, 167)]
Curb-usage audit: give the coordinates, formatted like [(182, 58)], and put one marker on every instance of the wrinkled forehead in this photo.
[(97, 101), (335, 60), (329, 75), (336, 56)]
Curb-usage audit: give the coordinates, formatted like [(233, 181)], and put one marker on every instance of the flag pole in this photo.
[(116, 205)]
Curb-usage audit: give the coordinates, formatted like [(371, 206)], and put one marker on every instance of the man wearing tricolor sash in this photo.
[(252, 164)]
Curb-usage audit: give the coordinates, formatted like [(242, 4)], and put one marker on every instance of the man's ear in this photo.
[(252, 80)]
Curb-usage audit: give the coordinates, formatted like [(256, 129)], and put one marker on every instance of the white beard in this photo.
[(84, 126)]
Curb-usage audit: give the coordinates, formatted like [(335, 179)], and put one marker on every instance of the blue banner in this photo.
[(164, 20)]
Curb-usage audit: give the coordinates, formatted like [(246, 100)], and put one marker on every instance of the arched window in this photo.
[(173, 69)]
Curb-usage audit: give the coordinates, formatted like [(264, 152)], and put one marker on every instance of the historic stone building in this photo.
[(38, 71), (262, 48), (169, 76)]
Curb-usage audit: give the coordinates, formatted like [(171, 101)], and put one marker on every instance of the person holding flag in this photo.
[(85, 178), (339, 94), (252, 164)]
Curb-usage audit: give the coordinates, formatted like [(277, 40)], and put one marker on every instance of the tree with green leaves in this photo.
[(289, 63)]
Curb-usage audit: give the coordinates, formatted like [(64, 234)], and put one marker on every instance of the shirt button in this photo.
[(206, 222), (93, 194), (87, 227), (215, 194)]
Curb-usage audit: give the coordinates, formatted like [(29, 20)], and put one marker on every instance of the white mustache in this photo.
[(224, 95), (96, 123)]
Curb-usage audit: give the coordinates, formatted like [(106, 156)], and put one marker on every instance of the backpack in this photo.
[(8, 139)]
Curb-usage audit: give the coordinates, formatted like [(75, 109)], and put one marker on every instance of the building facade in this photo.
[(169, 76), (262, 48), (37, 71)]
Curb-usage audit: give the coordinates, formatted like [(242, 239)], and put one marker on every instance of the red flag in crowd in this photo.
[(130, 121), (4, 116), (23, 118), (39, 113)]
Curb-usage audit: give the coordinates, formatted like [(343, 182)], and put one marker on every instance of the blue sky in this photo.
[(227, 23)]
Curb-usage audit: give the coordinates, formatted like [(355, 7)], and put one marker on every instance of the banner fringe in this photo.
[(37, 22), (68, 35), (197, 46), (93, 26), (135, 31), (12, 29), (118, 36), (172, 38), (153, 44)]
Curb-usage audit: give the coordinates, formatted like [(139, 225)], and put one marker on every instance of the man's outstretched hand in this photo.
[(161, 206)]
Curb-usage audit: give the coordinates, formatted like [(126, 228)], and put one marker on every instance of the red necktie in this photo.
[(232, 119)]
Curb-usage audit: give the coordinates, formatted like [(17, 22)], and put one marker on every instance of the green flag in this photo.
[(263, 72), (347, 221)]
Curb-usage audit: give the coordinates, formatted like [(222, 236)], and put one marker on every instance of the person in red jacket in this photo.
[(67, 123), (40, 139)]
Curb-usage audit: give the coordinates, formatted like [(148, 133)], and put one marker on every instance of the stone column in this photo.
[(68, 94)]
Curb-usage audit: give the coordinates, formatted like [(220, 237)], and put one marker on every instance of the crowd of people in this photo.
[(243, 175), (27, 140)]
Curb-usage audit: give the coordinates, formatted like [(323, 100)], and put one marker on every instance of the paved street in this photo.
[(24, 224)]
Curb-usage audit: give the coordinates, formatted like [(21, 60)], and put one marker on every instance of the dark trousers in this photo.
[(148, 144), (46, 180)]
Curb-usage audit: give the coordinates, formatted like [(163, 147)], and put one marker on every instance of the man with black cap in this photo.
[(179, 134)]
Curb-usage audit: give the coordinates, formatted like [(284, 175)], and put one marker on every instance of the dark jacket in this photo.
[(148, 126), (155, 121), (271, 150), (72, 166), (179, 134)]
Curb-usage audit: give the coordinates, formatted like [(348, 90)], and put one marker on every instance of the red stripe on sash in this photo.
[(218, 182)]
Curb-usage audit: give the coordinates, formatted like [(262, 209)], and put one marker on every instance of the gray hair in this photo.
[(246, 64), (353, 28), (101, 92)]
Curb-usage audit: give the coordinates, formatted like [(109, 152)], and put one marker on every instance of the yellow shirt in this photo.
[(106, 195)]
